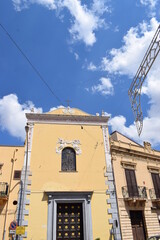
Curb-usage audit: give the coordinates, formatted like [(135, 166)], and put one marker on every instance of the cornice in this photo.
[(66, 119), (133, 152)]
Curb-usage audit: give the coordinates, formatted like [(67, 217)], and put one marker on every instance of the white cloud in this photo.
[(76, 56), (118, 123), (150, 3), (12, 115), (92, 67), (99, 7), (105, 87), (54, 108), (151, 127), (22, 4), (151, 6), (85, 21), (125, 60)]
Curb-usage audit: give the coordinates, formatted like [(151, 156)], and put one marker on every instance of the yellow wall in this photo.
[(6, 154), (47, 176)]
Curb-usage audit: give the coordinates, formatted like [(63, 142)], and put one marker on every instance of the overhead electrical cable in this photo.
[(31, 64), (39, 74)]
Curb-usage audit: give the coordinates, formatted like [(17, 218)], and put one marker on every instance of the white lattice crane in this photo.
[(136, 86)]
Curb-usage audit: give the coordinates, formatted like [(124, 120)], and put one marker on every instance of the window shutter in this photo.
[(131, 183), (156, 184)]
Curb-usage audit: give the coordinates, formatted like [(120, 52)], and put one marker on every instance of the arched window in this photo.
[(68, 159)]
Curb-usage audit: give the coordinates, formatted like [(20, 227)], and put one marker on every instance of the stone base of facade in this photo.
[(151, 221)]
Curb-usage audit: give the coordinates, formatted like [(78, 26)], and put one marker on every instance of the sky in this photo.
[(87, 52)]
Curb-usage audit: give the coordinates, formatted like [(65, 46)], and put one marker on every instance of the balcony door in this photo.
[(156, 184), (131, 183)]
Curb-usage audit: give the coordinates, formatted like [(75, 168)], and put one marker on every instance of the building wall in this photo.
[(45, 166), (7, 153), (143, 159)]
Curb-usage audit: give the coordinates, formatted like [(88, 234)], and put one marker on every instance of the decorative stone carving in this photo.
[(147, 146), (68, 110), (64, 143)]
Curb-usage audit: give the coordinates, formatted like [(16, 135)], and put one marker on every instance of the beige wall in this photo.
[(6, 154), (128, 154)]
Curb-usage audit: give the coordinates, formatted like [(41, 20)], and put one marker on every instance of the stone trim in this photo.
[(128, 165), (118, 150), (114, 220), (153, 169), (24, 192), (66, 119)]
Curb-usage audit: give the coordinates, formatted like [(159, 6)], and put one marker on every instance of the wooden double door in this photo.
[(69, 221), (137, 223)]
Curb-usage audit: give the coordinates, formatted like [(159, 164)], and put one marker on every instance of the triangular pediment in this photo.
[(116, 136)]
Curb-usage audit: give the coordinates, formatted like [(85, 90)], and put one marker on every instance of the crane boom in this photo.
[(136, 85)]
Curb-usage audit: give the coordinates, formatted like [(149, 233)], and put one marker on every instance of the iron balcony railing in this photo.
[(134, 192), (3, 189), (154, 195)]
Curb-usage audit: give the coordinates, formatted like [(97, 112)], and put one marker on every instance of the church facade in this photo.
[(68, 179)]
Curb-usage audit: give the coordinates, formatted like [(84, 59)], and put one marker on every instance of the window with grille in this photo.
[(17, 175), (68, 160)]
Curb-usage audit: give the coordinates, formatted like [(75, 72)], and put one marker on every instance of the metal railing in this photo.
[(3, 189), (153, 194), (136, 192)]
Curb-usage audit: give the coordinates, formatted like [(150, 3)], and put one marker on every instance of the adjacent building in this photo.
[(11, 162), (136, 173)]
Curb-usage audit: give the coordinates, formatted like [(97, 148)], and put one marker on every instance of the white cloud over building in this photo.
[(85, 21)]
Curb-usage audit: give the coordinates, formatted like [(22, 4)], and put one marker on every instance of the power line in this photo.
[(31, 64), (39, 74)]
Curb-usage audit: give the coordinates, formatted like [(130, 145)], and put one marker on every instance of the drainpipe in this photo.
[(6, 212), (23, 186)]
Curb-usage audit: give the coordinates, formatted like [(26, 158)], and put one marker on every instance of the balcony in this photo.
[(154, 196), (136, 193), (3, 192)]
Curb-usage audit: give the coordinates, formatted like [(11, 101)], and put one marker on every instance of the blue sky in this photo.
[(87, 52)]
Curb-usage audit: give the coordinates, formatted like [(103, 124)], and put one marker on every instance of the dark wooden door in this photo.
[(156, 184), (131, 183), (137, 225), (69, 221)]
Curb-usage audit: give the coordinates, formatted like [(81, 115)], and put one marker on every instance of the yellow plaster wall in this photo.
[(6, 154), (37, 217), (47, 176)]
